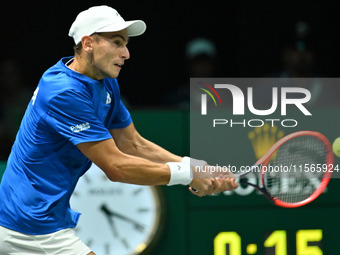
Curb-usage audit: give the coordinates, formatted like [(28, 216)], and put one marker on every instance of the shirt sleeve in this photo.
[(122, 118), (72, 115)]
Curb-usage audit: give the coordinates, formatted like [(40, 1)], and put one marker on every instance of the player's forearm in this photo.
[(129, 141), (135, 170), (119, 166), (122, 167), (148, 150)]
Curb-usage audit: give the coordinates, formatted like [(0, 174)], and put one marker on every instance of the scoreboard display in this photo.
[(238, 225)]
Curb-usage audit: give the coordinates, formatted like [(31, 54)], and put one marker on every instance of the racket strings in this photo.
[(296, 170)]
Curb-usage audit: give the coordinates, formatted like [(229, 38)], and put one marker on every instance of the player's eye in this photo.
[(118, 42)]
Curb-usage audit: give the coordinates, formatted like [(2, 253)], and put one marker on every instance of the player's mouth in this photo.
[(119, 65)]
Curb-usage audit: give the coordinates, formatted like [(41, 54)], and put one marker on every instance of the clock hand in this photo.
[(109, 212), (137, 225), (108, 215)]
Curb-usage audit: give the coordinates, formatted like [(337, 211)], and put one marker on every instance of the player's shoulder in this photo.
[(60, 79)]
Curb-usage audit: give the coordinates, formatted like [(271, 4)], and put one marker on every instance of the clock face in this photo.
[(116, 218)]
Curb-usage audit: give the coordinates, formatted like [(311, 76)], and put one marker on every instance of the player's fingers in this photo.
[(217, 186), (234, 183), (204, 186), (211, 186), (228, 184)]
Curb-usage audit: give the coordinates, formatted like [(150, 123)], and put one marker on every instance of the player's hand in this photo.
[(212, 182), (224, 184), (202, 186)]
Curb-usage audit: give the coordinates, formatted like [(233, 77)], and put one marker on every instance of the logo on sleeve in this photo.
[(108, 98), (80, 127)]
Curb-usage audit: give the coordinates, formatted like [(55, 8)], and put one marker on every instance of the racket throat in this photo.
[(262, 189)]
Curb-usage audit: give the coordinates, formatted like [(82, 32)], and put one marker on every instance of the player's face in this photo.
[(109, 53)]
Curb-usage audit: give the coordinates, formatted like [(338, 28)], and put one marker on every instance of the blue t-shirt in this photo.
[(67, 108)]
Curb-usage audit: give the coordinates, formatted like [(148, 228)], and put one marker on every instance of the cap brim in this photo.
[(134, 27)]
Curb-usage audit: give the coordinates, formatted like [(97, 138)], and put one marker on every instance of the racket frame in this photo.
[(264, 160)]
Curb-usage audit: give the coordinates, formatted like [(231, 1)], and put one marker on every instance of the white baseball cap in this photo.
[(103, 19)]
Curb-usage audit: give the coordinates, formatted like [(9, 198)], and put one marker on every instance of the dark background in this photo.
[(248, 37)]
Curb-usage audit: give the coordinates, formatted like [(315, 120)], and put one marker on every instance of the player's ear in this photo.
[(87, 43)]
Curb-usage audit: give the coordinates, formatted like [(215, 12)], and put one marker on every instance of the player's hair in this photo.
[(78, 47)]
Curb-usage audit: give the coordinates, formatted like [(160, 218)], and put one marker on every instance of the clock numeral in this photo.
[(89, 242), (104, 177), (107, 248), (137, 191), (125, 243), (139, 227), (76, 194), (86, 178)]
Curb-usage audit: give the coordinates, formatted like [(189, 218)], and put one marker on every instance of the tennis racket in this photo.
[(294, 171)]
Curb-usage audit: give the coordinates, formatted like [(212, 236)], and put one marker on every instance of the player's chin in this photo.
[(113, 75)]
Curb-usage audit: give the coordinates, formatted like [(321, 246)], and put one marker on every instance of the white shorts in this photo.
[(63, 242)]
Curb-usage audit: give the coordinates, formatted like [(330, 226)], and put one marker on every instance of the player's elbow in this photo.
[(115, 173)]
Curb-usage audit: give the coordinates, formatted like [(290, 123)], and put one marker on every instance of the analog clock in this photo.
[(117, 218)]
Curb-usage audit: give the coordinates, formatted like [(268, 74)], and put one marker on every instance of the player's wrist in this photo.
[(180, 173), (194, 162)]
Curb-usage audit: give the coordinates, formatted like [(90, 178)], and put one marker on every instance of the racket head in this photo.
[(293, 184)]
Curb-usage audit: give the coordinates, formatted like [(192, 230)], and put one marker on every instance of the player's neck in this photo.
[(81, 65)]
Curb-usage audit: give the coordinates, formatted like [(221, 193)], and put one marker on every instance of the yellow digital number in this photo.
[(277, 239), (232, 239), (305, 236)]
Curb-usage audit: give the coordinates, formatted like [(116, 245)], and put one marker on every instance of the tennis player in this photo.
[(75, 118)]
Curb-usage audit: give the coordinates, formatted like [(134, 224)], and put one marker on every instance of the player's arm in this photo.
[(122, 167), (119, 165), (129, 141)]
